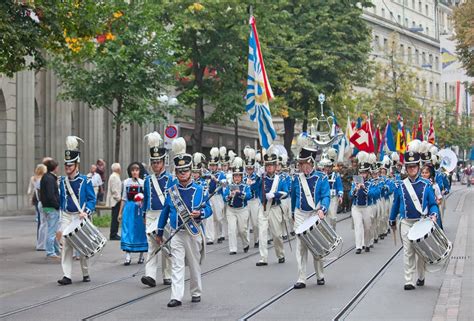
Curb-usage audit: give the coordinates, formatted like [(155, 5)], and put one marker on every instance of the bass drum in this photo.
[(318, 235), (84, 237), (429, 241)]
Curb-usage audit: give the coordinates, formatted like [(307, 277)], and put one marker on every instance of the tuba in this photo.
[(323, 130)]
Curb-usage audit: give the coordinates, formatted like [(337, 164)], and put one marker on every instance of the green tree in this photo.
[(314, 47), (464, 26), (128, 69), (33, 28), (211, 40)]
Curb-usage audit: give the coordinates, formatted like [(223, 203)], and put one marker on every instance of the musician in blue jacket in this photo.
[(335, 184), (236, 196), (414, 198), (76, 201), (310, 195), (274, 189), (186, 198), (155, 187), (254, 181), (363, 194)]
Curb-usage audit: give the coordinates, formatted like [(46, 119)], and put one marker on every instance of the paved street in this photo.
[(234, 288)]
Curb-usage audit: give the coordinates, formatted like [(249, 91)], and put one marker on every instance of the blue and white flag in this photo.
[(259, 91)]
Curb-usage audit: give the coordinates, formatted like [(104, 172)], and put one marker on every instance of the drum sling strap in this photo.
[(157, 188), (73, 195), (413, 196), (307, 192)]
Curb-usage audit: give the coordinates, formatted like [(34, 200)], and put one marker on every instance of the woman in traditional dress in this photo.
[(131, 215)]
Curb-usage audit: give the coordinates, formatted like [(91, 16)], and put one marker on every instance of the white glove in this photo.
[(260, 172), (270, 195), (223, 182)]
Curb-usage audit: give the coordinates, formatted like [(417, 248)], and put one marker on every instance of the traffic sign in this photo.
[(171, 131)]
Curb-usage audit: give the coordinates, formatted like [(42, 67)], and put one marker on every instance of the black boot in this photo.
[(65, 281), (174, 303), (148, 280)]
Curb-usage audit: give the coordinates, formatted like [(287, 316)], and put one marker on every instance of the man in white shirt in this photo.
[(114, 195)]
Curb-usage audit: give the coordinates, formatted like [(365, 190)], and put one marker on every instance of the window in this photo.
[(417, 57), (420, 8), (413, 24), (406, 22), (417, 86), (413, 4), (430, 57), (436, 63), (437, 91), (402, 52), (423, 58), (385, 44), (399, 19), (431, 89), (409, 54), (376, 42), (427, 31), (375, 9), (383, 13), (427, 10)]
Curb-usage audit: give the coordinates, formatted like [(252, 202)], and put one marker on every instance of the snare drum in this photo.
[(84, 237), (318, 236), (152, 231), (429, 241)]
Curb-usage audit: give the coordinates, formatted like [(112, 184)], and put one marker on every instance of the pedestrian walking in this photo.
[(113, 199)]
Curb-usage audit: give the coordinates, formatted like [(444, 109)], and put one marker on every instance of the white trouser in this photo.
[(332, 211), (381, 219), (254, 206), (411, 260), (271, 218), (152, 265), (237, 219), (373, 223), (184, 246), (210, 223), (361, 216), (302, 252), (67, 252), (286, 207)]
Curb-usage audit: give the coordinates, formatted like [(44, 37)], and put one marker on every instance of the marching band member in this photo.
[(362, 194), (387, 191), (188, 244), (335, 185), (273, 191), (373, 201), (226, 178), (134, 238), (155, 187), (213, 224), (236, 195), (77, 201), (396, 166), (310, 187), (414, 197), (282, 170), (197, 170), (253, 180)]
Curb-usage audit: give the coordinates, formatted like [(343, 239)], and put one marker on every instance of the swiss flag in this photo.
[(362, 139)]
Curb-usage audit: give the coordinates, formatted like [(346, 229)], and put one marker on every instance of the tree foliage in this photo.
[(464, 27), (33, 28), (129, 66)]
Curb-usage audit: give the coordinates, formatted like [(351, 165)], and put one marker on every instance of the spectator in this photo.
[(114, 196), (468, 174), (49, 197), (95, 179), (33, 193), (101, 171)]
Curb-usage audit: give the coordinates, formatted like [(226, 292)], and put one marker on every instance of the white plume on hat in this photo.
[(258, 157), (284, 158), (214, 152), (434, 150), (179, 146), (249, 152), (332, 153), (372, 158), (414, 146), (198, 158), (425, 147), (238, 162), (154, 139), (325, 160), (363, 157), (272, 150), (222, 151), (231, 156), (386, 160), (72, 142), (395, 157)]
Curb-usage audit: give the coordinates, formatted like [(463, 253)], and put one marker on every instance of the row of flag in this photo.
[(359, 136)]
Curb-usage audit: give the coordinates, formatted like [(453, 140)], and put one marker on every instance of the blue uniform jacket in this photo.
[(319, 187), (281, 191), (256, 187), (151, 199), (213, 184), (364, 196), (240, 199), (403, 205), (82, 187), (335, 184), (193, 195)]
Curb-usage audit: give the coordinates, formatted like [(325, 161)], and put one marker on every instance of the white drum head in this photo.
[(310, 221), (420, 229), (72, 226)]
